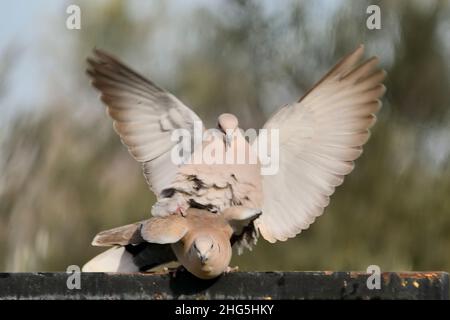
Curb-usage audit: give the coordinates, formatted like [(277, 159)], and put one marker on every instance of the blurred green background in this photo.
[(64, 175)]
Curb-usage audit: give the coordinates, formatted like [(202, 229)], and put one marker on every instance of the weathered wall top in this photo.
[(238, 285)]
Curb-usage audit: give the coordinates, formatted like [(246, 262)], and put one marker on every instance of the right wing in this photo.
[(120, 236), (144, 116), (320, 137)]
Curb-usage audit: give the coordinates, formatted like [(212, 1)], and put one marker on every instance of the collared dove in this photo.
[(145, 116), (199, 240), (320, 136)]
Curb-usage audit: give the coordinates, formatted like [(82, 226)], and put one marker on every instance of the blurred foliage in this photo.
[(64, 176)]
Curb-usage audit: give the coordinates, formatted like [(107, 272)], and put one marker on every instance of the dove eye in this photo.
[(212, 245)]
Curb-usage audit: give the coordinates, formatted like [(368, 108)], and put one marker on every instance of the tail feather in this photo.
[(131, 258), (116, 259)]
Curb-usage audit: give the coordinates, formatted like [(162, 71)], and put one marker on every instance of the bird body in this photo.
[(199, 240), (220, 185)]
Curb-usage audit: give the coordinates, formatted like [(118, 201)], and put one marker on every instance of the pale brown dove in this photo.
[(199, 240), (145, 116), (319, 138)]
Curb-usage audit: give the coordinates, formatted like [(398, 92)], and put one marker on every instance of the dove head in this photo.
[(208, 256), (227, 121)]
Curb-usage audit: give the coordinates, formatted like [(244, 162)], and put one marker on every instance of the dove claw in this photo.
[(231, 269), (177, 270), (181, 211)]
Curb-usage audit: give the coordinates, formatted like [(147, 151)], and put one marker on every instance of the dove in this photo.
[(145, 115), (200, 240), (320, 137)]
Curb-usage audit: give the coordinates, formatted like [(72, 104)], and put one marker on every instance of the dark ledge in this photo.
[(238, 285)]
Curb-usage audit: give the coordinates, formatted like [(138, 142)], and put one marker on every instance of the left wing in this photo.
[(144, 115)]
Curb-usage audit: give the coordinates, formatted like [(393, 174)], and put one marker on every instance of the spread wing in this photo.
[(123, 235), (320, 137), (165, 230), (144, 116)]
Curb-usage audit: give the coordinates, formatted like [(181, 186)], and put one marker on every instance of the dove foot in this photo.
[(181, 210), (231, 269), (176, 271)]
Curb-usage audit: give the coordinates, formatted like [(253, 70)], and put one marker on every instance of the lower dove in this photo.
[(200, 240), (320, 136)]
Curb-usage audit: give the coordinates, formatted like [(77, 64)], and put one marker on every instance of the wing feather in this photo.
[(320, 137), (144, 115)]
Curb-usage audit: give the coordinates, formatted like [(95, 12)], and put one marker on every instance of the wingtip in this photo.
[(105, 56), (99, 56), (383, 90), (358, 50), (374, 60), (96, 241), (91, 63), (98, 51), (361, 47), (90, 72)]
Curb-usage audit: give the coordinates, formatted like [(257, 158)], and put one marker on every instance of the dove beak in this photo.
[(228, 139), (203, 259)]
